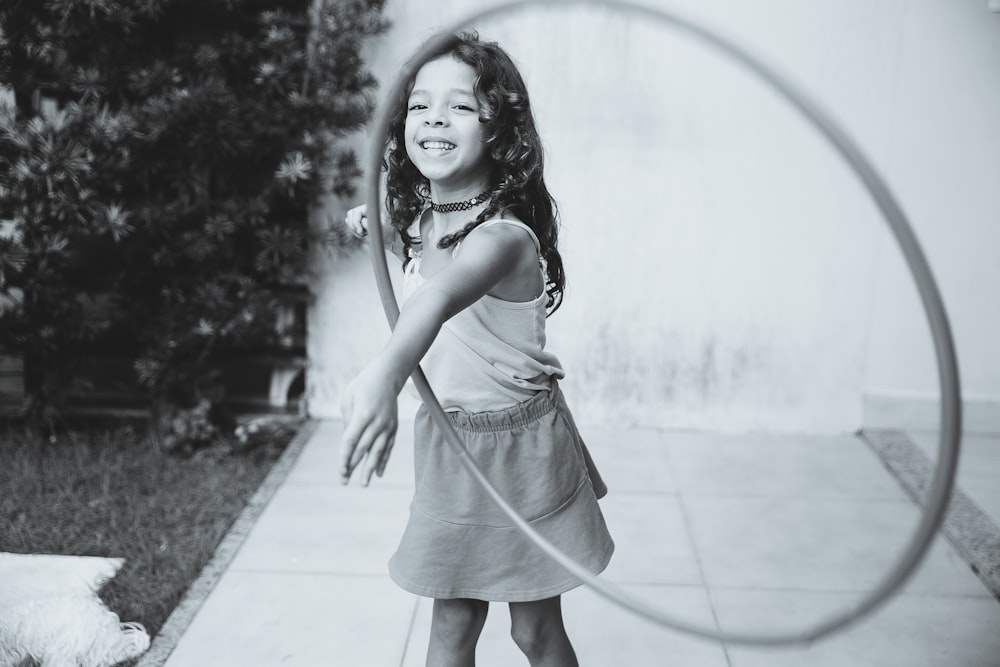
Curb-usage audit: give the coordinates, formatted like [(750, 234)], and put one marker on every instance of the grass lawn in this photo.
[(106, 490)]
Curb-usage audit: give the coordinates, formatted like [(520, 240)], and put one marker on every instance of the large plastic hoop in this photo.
[(948, 448)]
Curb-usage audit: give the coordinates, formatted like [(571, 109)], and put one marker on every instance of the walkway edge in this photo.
[(199, 590), (969, 529)]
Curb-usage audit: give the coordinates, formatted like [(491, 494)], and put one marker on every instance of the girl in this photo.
[(477, 233)]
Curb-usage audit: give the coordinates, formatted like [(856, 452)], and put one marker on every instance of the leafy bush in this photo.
[(157, 167)]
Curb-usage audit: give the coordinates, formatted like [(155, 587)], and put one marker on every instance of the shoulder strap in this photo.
[(414, 229)]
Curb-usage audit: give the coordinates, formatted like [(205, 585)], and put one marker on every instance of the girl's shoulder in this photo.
[(510, 226)]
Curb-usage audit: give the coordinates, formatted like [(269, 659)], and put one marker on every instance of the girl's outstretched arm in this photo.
[(368, 403)]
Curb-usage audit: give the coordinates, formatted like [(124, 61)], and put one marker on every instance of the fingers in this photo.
[(370, 422), (384, 459), (349, 440), (357, 440), (363, 446), (370, 443), (378, 456), (348, 447), (357, 221), (359, 434)]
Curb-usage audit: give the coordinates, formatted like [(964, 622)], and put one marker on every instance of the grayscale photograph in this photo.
[(542, 333)]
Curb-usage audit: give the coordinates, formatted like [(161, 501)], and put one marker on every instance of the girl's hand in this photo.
[(370, 414), (357, 221)]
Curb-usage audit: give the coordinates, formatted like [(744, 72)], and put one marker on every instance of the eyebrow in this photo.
[(460, 91)]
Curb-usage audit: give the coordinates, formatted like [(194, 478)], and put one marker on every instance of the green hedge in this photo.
[(157, 164)]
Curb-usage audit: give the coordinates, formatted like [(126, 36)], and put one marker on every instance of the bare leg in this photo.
[(537, 629), (455, 628)]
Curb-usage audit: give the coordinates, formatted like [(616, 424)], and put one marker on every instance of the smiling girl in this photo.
[(477, 233)]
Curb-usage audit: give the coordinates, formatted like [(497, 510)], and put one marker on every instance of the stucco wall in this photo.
[(944, 163), (725, 269)]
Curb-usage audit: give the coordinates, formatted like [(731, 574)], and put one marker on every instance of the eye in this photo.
[(464, 107), (416, 107)]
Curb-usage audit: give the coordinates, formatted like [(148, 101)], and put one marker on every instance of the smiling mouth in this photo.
[(437, 145)]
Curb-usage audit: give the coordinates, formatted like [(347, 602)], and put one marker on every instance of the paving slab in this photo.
[(298, 619), (652, 545), (799, 466), (909, 631), (815, 544), (757, 531)]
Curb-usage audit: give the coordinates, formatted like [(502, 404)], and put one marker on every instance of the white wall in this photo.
[(725, 269), (945, 165)]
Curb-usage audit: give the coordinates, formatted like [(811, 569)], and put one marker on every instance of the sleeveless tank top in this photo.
[(491, 355)]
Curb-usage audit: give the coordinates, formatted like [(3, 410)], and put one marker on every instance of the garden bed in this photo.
[(104, 489)]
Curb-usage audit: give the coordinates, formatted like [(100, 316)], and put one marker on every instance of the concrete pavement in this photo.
[(759, 532)]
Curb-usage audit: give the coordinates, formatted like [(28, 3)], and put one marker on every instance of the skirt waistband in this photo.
[(516, 416)]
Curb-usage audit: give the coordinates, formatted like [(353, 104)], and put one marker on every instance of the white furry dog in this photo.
[(50, 614)]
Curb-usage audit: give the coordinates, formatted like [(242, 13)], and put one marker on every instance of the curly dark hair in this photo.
[(514, 148)]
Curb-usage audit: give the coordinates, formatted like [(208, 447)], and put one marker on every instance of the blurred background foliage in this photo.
[(158, 160)]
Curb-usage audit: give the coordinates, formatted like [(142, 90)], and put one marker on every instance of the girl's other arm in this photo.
[(369, 401)]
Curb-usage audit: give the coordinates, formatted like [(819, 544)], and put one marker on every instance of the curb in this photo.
[(199, 590), (975, 536)]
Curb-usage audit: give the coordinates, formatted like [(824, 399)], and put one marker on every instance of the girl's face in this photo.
[(442, 132)]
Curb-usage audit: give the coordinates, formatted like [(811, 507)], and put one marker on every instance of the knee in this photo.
[(457, 622), (533, 635)]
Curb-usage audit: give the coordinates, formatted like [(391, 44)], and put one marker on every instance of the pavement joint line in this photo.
[(311, 484), (662, 584), (800, 496), (409, 631), (985, 595), (308, 573), (973, 534), (639, 492), (702, 575), (177, 623)]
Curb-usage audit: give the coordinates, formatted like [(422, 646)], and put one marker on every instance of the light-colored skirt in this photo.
[(459, 543)]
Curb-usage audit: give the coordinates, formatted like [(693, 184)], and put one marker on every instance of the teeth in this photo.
[(437, 145)]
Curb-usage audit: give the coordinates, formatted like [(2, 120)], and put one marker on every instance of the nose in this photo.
[(435, 117)]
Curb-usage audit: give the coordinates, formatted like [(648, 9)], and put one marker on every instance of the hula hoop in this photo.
[(948, 448)]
